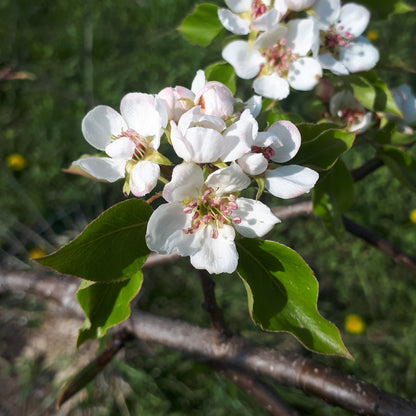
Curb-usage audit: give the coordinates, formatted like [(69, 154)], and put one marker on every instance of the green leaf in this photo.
[(401, 164), (202, 25), (222, 72), (332, 196), (105, 305), (385, 8), (389, 134), (322, 145), (372, 93), (111, 248), (282, 295)]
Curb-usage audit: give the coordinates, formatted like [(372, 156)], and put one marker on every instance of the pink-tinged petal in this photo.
[(256, 218), (253, 163), (100, 124), (233, 23), (216, 100), (121, 148), (267, 21), (103, 168), (139, 111), (301, 34), (187, 181), (245, 59), (353, 18), (144, 177), (271, 86), (298, 5), (205, 145), (239, 6), (290, 181), (304, 74), (327, 61), (228, 180), (327, 12), (177, 100), (239, 137), (199, 81), (360, 55), (165, 231), (288, 140), (216, 255)]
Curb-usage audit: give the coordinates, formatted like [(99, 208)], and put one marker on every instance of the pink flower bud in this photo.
[(177, 100), (216, 100)]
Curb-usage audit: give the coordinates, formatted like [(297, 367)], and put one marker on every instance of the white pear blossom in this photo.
[(278, 59), (341, 48), (344, 107), (201, 217), (279, 144), (129, 139), (298, 5), (202, 138), (244, 16), (214, 98)]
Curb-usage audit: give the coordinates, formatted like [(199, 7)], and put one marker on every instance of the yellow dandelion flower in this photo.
[(412, 216), (16, 161), (36, 252), (354, 324), (372, 35)]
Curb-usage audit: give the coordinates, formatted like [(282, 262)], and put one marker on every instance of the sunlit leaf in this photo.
[(282, 295), (202, 25), (111, 248)]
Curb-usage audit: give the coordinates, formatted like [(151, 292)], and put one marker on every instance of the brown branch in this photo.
[(368, 167), (236, 353)]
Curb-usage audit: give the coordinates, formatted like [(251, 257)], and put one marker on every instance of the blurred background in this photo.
[(59, 59)]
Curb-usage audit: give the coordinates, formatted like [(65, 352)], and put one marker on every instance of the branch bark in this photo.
[(236, 353)]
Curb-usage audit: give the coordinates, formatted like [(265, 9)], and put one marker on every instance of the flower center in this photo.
[(350, 115), (211, 209), (258, 8), (278, 58), (139, 141), (267, 152), (331, 40)]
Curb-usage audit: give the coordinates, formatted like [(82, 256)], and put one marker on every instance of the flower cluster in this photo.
[(281, 52), (222, 152)]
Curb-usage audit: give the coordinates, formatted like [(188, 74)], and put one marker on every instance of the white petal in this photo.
[(344, 100), (194, 118), (256, 218), (298, 5), (228, 180), (217, 255), (361, 55), (253, 163), (121, 148), (289, 140), (362, 125), (353, 18), (103, 168), (199, 81), (327, 12), (239, 6), (254, 105), (140, 113), (239, 137), (245, 60), (144, 177), (406, 102), (327, 61), (271, 37), (301, 34), (233, 23), (304, 74), (100, 124), (165, 233), (271, 86), (187, 181), (290, 181), (267, 20)]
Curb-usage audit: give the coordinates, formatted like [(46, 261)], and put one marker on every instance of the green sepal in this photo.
[(260, 184), (282, 295), (158, 158), (202, 26)]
